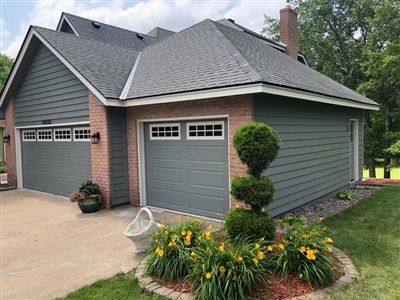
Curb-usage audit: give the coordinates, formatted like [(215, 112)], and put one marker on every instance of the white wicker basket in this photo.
[(139, 230)]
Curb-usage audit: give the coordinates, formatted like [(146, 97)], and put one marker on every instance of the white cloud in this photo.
[(144, 16)]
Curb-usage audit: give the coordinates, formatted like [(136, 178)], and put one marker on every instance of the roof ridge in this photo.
[(83, 38), (237, 55), (91, 20)]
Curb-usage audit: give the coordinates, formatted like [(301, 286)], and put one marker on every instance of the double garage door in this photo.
[(187, 166), (56, 160)]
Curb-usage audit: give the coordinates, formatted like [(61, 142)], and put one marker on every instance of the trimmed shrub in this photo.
[(169, 251), (306, 251), (227, 271), (256, 145), (256, 192), (248, 225)]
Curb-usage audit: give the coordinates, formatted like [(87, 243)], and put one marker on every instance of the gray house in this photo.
[(150, 117)]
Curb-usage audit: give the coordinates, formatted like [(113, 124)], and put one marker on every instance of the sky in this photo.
[(141, 16)]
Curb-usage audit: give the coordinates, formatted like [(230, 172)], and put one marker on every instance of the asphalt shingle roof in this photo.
[(105, 66), (206, 55), (110, 34)]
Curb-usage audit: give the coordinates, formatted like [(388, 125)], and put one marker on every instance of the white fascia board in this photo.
[(32, 33), (282, 91), (242, 90), (64, 18)]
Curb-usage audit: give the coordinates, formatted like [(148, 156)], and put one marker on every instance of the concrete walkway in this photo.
[(49, 248)]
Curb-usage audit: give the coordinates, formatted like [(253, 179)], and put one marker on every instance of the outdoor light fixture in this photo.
[(95, 138), (6, 139)]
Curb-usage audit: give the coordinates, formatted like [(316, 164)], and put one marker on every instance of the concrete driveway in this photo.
[(49, 248)]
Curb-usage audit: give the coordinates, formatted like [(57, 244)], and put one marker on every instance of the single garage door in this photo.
[(187, 166), (56, 160)]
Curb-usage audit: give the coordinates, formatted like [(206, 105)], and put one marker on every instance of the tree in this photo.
[(338, 38), (5, 67)]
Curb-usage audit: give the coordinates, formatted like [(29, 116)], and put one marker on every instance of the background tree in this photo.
[(339, 39), (5, 67)]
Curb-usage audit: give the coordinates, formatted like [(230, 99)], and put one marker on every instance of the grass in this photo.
[(369, 233), (394, 173), (120, 286)]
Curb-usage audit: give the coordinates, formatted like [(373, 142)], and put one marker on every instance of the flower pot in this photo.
[(89, 205)]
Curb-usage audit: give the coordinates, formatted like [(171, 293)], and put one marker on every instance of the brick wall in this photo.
[(101, 159), (239, 109), (288, 30), (10, 147)]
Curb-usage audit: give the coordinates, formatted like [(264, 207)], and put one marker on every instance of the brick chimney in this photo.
[(288, 23)]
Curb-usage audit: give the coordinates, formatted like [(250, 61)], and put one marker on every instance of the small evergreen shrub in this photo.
[(228, 271), (394, 153), (256, 192), (256, 145), (247, 225), (169, 251), (306, 251)]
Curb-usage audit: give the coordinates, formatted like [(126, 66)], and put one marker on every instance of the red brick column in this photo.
[(10, 147), (101, 159), (238, 108)]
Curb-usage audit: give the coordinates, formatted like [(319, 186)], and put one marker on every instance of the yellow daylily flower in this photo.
[(222, 269), (208, 275), (303, 249), (311, 255), (281, 246), (269, 248), (257, 246), (240, 258), (328, 240), (260, 255), (221, 248)]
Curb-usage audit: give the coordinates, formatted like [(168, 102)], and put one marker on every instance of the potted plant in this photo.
[(87, 196)]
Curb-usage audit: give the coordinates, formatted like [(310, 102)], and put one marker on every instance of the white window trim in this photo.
[(44, 130), (28, 140), (80, 128), (165, 125), (222, 137), (62, 140)]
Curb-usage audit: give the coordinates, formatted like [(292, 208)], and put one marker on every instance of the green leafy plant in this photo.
[(345, 195), (394, 153), (228, 271), (169, 251), (86, 189), (306, 250), (243, 224), (256, 145)]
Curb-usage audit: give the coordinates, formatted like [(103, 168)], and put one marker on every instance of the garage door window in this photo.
[(29, 135), (62, 134), (205, 131), (82, 134), (165, 131), (45, 135)]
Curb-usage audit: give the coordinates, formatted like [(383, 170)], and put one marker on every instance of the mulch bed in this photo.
[(375, 181)]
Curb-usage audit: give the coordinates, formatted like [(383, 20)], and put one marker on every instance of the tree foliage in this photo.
[(5, 67), (355, 42)]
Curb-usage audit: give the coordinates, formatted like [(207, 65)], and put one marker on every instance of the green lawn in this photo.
[(119, 287), (368, 232)]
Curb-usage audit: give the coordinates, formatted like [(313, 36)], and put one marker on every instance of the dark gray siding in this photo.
[(119, 156), (49, 91), (314, 156)]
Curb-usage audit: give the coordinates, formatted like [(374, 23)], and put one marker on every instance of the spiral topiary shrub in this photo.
[(249, 225), (257, 145), (256, 192)]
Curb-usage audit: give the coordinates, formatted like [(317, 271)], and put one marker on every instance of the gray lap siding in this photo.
[(314, 157), (49, 91)]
